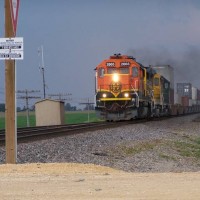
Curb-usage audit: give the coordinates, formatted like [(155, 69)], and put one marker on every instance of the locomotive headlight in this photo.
[(115, 78), (104, 95), (126, 95)]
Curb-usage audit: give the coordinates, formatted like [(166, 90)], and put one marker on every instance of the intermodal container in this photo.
[(171, 98), (194, 102), (184, 89), (194, 93), (198, 94), (185, 101), (190, 102), (177, 99)]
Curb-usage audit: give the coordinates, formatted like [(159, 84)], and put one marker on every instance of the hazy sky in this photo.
[(78, 34)]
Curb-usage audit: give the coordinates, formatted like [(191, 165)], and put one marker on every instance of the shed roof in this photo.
[(43, 100)]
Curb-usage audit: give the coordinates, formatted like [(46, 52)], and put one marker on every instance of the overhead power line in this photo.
[(61, 96), (26, 96), (87, 102)]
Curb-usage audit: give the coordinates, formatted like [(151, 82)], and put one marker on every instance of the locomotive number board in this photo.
[(110, 64), (122, 64), (125, 64)]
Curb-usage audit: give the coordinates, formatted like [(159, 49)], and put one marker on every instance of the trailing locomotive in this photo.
[(125, 89)]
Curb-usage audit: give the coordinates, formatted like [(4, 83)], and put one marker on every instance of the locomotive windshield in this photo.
[(135, 72), (156, 81), (122, 70), (112, 70), (101, 72)]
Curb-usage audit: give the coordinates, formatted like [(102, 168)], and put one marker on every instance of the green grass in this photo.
[(187, 149), (70, 118), (166, 157), (22, 121), (80, 117), (140, 147)]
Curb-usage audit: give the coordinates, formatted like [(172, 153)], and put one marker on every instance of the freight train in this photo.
[(125, 90)]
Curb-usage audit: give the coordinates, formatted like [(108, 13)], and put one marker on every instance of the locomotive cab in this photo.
[(161, 98)]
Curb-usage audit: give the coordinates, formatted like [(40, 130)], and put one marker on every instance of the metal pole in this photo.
[(43, 72), (43, 82), (16, 107), (88, 111), (42, 68), (27, 110)]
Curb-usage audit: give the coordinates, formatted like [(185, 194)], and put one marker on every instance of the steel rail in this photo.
[(57, 130), (43, 132)]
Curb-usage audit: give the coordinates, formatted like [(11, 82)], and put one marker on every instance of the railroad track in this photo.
[(43, 132)]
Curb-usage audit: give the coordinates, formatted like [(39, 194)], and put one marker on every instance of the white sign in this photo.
[(14, 5), (12, 56), (11, 43), (11, 48)]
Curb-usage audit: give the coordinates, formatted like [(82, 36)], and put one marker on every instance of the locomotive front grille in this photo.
[(116, 87)]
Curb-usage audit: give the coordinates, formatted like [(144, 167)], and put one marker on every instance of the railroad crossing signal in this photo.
[(14, 5)]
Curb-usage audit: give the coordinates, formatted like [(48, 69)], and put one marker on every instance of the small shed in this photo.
[(49, 112)]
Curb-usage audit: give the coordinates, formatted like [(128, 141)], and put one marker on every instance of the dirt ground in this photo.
[(79, 181)]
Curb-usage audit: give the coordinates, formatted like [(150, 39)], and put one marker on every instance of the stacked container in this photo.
[(185, 101), (192, 93), (194, 96), (177, 99), (184, 89), (198, 97)]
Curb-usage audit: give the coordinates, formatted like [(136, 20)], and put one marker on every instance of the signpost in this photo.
[(9, 47)]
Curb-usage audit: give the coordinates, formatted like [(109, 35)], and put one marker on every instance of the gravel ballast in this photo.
[(171, 145)]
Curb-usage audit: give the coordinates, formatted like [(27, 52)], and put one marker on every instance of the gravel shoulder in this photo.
[(170, 145)]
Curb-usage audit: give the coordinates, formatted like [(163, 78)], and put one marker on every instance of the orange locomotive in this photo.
[(123, 89)]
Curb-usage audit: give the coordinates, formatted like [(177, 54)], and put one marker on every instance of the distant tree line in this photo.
[(68, 107), (3, 109), (88, 107)]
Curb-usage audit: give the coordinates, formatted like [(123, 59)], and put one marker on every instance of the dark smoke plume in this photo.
[(186, 64)]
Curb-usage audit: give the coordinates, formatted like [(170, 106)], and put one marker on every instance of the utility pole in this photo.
[(61, 96), (40, 50), (10, 114), (27, 97), (87, 103)]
